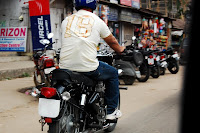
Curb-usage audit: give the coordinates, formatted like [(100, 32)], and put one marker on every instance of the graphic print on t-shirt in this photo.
[(80, 26)]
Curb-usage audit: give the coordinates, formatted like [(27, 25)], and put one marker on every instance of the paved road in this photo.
[(151, 107), (162, 117)]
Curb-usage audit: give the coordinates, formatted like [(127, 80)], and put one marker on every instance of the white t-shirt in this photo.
[(81, 33)]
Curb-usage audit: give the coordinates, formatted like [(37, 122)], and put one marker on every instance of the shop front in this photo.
[(154, 33), (129, 21)]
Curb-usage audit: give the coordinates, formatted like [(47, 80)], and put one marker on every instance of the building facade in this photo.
[(122, 17)]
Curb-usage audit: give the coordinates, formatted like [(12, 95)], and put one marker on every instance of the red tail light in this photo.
[(48, 92), (150, 56), (48, 63), (48, 120), (162, 57)]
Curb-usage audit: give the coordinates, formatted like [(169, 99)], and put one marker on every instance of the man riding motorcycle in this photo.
[(81, 33)]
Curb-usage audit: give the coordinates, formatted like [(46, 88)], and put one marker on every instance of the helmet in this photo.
[(86, 3)]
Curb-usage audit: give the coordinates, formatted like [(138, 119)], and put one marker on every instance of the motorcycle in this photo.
[(44, 64), (138, 61), (151, 60), (162, 63), (74, 104), (125, 70), (172, 60)]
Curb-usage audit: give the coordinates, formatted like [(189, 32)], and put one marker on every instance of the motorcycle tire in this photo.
[(173, 65), (55, 127), (113, 125), (39, 79), (162, 71), (145, 73), (128, 80), (155, 72)]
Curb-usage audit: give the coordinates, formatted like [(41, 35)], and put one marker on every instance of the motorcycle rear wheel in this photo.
[(128, 80), (39, 79), (155, 72), (65, 123), (162, 71), (145, 73), (173, 67)]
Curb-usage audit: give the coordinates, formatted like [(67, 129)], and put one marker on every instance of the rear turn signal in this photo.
[(48, 92)]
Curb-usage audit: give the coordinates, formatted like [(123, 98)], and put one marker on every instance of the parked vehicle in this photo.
[(172, 60), (162, 63), (44, 64), (138, 61), (125, 69), (74, 104)]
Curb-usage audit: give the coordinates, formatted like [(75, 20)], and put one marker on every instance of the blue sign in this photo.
[(40, 22), (40, 28), (113, 14)]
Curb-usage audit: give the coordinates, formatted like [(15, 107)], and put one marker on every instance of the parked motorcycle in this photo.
[(172, 60), (162, 63), (44, 64), (138, 61), (125, 70), (74, 104), (152, 62)]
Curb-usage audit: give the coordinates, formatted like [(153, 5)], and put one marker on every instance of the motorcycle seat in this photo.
[(72, 77)]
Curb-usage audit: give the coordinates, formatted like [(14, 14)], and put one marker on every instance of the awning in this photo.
[(178, 24)]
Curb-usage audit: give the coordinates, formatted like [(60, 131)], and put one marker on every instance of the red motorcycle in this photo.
[(44, 64)]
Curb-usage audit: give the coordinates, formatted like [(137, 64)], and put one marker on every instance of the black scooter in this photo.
[(125, 70)]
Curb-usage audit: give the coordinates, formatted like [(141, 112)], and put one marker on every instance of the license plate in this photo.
[(150, 61), (48, 70), (49, 107)]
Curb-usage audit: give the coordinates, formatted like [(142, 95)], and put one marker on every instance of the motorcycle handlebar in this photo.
[(47, 45), (126, 52)]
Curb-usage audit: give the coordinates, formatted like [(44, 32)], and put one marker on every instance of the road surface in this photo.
[(150, 107)]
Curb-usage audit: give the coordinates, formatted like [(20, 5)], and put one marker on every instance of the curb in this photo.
[(16, 73)]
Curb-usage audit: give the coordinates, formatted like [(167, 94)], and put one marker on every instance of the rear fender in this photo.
[(127, 68), (128, 72)]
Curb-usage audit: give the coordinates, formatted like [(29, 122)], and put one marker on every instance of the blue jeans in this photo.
[(109, 75)]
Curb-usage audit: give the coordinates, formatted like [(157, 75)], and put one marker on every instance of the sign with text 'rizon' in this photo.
[(40, 22), (13, 39)]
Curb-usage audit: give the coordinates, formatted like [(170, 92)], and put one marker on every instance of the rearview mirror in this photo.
[(133, 38), (50, 35)]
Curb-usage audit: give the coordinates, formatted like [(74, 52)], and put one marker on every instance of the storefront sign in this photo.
[(113, 14), (40, 22), (136, 18), (126, 2), (136, 4), (13, 39), (128, 16)]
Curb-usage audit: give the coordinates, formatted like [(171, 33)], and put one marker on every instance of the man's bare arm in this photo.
[(113, 43)]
